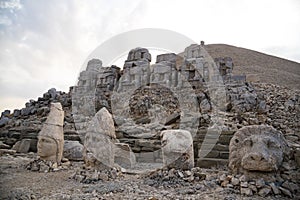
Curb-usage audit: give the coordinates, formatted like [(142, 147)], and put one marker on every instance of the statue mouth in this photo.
[(260, 164)]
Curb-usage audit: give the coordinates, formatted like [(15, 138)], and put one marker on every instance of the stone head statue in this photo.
[(257, 148), (51, 137)]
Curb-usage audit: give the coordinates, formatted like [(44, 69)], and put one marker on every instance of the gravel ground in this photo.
[(16, 182)]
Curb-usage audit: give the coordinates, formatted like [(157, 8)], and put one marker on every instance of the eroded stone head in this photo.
[(177, 149), (51, 137), (257, 148)]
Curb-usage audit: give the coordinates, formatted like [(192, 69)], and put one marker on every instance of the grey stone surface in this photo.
[(4, 121), (257, 148), (22, 146), (124, 155), (51, 137), (99, 143), (4, 146), (73, 150), (177, 149)]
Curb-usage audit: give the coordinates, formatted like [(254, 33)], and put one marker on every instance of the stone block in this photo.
[(146, 157), (22, 146), (213, 154), (177, 149), (124, 155), (73, 150), (224, 154), (211, 162), (221, 147)]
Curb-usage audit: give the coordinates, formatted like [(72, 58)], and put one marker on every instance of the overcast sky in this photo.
[(44, 43)]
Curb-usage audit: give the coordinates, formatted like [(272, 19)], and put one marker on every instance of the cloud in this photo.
[(43, 44)]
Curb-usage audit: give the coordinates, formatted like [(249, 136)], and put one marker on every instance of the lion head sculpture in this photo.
[(257, 148)]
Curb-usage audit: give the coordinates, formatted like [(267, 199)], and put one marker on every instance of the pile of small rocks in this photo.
[(48, 166), (144, 98), (249, 187), (93, 176), (173, 177)]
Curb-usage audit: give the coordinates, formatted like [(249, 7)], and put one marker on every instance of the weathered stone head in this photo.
[(257, 148), (51, 137), (177, 149)]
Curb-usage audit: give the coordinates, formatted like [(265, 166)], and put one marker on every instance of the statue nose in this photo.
[(256, 157)]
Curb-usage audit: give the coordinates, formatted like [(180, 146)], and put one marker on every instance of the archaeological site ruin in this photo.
[(186, 124)]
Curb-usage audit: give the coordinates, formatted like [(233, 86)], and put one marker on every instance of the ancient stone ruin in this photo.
[(98, 144), (257, 148), (51, 137), (185, 118)]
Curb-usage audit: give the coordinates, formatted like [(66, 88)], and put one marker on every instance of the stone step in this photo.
[(218, 154), (211, 162)]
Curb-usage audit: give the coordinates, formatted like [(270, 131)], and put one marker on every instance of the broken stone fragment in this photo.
[(177, 149), (124, 155), (51, 137), (99, 144), (22, 146), (297, 157), (73, 150)]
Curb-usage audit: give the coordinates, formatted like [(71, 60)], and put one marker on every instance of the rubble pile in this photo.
[(174, 177), (184, 112), (94, 176)]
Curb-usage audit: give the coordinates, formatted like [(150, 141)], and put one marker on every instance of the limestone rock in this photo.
[(73, 150), (297, 157), (274, 189), (22, 146), (286, 192), (103, 123), (51, 137), (235, 181), (246, 191), (4, 146), (4, 121), (124, 155), (264, 191), (177, 149), (98, 145), (257, 148), (7, 151)]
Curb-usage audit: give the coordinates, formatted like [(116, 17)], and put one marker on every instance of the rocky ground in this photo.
[(75, 182), (23, 176), (72, 181)]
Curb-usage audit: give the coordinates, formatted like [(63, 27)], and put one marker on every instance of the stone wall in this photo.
[(176, 92), (26, 123)]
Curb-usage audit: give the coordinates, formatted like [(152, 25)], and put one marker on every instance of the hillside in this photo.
[(259, 66)]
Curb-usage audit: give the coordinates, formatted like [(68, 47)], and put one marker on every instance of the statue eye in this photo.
[(236, 141), (248, 142), (273, 144)]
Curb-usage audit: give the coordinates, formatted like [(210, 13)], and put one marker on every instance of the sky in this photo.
[(43, 44)]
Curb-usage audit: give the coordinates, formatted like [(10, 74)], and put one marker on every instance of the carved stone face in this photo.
[(257, 148), (263, 153), (47, 148)]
